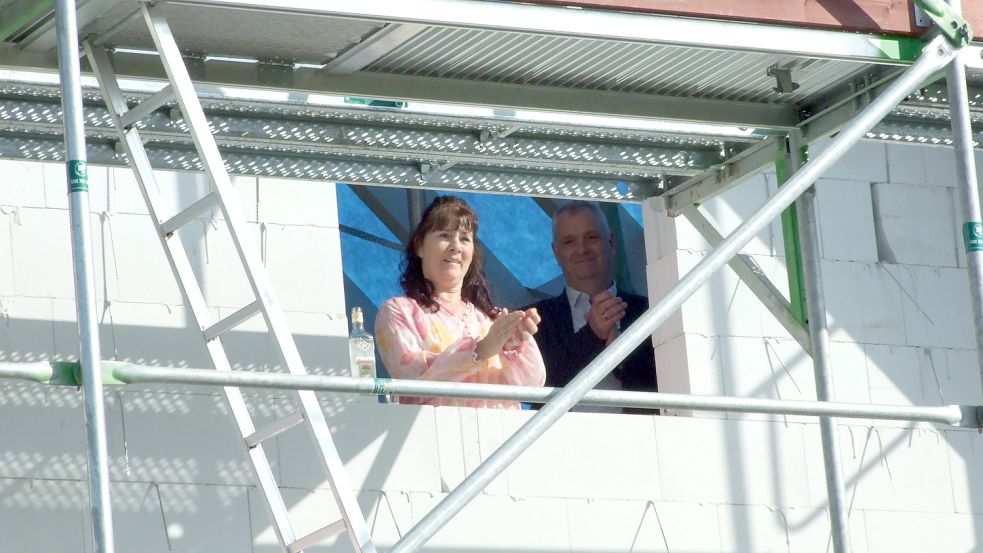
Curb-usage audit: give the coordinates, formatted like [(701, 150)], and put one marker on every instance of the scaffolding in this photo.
[(853, 82)]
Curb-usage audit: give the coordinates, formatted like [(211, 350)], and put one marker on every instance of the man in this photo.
[(579, 323)]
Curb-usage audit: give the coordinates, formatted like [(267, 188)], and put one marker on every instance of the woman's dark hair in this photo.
[(445, 213)]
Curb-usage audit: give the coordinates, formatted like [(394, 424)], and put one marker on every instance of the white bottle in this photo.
[(361, 347)]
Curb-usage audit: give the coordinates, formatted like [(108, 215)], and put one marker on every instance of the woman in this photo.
[(446, 327)]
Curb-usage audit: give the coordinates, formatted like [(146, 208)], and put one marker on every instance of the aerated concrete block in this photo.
[(863, 303), (687, 526), (612, 526), (846, 223), (451, 447), (216, 262), (894, 375), (766, 368), (940, 166), (26, 329), (152, 334), (864, 161), (906, 164), (741, 202), (500, 524), (384, 447), (723, 306), (884, 468), (305, 266), (965, 458), (659, 229), (22, 183), (586, 457), (187, 438), (135, 263), (848, 368), (960, 380), (752, 528), (721, 461), (297, 202), (201, 517), (662, 274), (915, 225), (43, 515), (8, 216), (936, 306), (42, 253), (44, 436), (901, 532), (387, 516), (139, 523), (809, 530), (175, 191)]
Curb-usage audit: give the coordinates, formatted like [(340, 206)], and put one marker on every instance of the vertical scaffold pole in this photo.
[(85, 297), (812, 280), (969, 197), (935, 56)]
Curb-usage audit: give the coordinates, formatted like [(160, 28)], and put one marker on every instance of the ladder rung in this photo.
[(189, 214), (231, 321), (146, 107), (278, 426), (317, 536)]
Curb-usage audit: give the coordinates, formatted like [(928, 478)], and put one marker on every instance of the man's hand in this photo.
[(605, 312)]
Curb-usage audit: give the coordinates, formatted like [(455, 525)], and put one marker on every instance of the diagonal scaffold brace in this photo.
[(936, 55)]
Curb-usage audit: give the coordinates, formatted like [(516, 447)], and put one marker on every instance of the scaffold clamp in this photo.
[(949, 21)]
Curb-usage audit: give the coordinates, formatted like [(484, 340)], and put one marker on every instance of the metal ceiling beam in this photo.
[(513, 96), (720, 178), (20, 15), (45, 36), (377, 45), (604, 25), (461, 92)]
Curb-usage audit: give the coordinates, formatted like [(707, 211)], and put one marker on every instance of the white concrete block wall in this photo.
[(710, 483)]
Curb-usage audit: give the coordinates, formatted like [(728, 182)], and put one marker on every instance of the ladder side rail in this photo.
[(187, 282), (211, 159)]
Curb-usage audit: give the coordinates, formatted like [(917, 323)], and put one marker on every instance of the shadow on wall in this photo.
[(174, 450)]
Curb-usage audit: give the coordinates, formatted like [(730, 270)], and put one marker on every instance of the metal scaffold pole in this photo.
[(969, 197), (819, 338), (935, 56), (85, 297)]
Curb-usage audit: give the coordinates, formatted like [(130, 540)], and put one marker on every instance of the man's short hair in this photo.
[(576, 206)]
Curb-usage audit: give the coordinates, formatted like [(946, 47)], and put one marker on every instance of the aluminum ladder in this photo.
[(222, 196)]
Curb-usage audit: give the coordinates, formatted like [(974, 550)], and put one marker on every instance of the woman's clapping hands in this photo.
[(508, 332)]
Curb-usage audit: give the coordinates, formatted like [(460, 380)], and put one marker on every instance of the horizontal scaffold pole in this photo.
[(120, 373)]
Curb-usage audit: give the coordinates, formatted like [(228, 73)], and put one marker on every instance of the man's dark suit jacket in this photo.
[(565, 352)]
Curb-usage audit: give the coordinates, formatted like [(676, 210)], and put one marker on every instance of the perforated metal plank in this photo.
[(102, 152)]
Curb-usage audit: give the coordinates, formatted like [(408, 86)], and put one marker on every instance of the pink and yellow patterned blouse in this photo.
[(417, 344)]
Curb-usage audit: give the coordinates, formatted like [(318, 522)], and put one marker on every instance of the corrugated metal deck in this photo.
[(532, 72)]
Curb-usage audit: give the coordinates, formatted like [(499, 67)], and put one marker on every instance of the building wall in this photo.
[(902, 334)]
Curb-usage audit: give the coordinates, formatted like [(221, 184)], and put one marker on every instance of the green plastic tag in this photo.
[(78, 176), (380, 385), (973, 236)]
